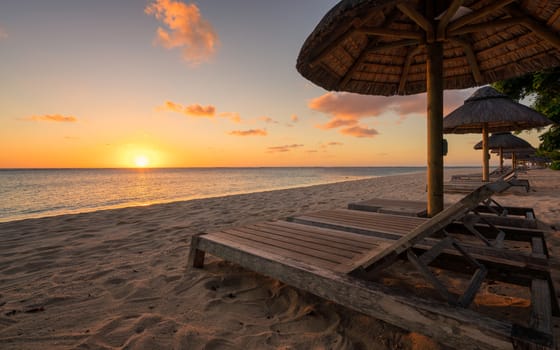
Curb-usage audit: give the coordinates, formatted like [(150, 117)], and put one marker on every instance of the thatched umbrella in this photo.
[(520, 153), (486, 111), (501, 141), (382, 47)]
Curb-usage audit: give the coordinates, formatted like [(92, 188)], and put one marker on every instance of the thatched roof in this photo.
[(378, 47), (520, 153), (504, 140), (499, 112)]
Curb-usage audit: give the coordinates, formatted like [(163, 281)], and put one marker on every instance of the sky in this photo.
[(166, 83)]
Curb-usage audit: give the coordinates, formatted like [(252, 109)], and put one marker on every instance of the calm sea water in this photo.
[(46, 192)]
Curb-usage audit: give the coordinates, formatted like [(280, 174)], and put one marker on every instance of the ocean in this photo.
[(32, 193)]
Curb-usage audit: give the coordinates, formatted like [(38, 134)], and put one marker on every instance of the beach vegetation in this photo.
[(543, 90)]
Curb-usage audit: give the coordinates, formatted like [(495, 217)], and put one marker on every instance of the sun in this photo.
[(141, 161)]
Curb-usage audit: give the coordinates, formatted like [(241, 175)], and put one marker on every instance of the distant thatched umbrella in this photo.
[(520, 153), (503, 140), (486, 111), (390, 47)]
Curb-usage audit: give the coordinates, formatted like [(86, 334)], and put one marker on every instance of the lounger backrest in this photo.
[(435, 224)]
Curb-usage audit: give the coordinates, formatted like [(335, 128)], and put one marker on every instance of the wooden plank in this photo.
[(435, 250), (333, 238), (272, 238), (431, 226), (541, 313), (429, 276), (304, 235), (537, 245), (196, 256), (457, 328), (474, 285), (368, 231), (384, 222), (327, 234), (248, 245), (272, 244)]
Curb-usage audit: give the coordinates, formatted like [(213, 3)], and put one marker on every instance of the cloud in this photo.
[(347, 106), (185, 29), (335, 144), (194, 110), (294, 118), (197, 110), (359, 131), (171, 106), (336, 123), (268, 120), (250, 132), (200, 111), (347, 109), (53, 118), (284, 148)]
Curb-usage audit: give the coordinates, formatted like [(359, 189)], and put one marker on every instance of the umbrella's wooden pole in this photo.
[(485, 157), (501, 159), (435, 128)]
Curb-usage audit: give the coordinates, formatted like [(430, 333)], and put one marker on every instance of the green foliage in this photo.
[(555, 165), (544, 88)]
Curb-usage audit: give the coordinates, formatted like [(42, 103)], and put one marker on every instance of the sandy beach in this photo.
[(117, 279)]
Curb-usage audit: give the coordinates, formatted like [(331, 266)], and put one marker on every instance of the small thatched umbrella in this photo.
[(486, 111), (520, 153), (504, 140), (390, 47)]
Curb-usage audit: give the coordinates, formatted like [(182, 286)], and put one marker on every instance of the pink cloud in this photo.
[(250, 132), (347, 109), (359, 131), (282, 149), (172, 106), (345, 105), (337, 123), (53, 118), (186, 29), (294, 118), (200, 111), (194, 110)]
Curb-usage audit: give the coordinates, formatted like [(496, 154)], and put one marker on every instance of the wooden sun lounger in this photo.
[(494, 176), (338, 266), (459, 186), (490, 210)]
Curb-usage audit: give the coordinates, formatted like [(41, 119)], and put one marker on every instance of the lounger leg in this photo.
[(196, 256)]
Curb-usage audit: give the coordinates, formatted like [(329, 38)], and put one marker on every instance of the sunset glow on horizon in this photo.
[(168, 83)]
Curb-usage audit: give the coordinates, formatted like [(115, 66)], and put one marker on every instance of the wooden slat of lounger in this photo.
[(430, 226), (392, 206), (334, 238), (388, 223), (271, 237), (243, 244)]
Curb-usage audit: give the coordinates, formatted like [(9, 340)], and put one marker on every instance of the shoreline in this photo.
[(118, 278), (186, 199)]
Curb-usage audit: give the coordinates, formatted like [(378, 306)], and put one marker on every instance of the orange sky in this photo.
[(99, 84)]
